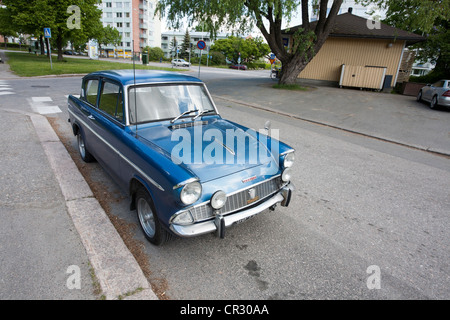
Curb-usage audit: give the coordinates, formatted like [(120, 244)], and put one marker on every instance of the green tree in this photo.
[(108, 36), (32, 16), (248, 50), (268, 16), (154, 53), (185, 46), (6, 26)]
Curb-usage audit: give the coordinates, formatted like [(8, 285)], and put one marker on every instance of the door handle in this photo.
[(91, 117)]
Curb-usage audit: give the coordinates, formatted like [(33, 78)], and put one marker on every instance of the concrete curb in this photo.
[(117, 271)]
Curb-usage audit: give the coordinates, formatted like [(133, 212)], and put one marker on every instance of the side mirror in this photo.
[(267, 125)]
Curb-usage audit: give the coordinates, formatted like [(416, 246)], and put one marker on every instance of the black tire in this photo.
[(433, 103), (148, 219), (419, 96), (85, 155)]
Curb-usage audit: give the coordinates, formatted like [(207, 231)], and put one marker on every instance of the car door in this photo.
[(89, 97), (431, 90), (108, 121)]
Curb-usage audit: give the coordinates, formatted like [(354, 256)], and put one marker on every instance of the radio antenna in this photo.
[(135, 100)]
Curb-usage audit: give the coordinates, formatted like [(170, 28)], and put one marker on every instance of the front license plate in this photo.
[(243, 220)]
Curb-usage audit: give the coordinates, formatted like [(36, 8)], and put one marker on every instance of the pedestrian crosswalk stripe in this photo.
[(5, 88), (40, 105)]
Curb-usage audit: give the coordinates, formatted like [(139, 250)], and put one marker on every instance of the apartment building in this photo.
[(136, 22)]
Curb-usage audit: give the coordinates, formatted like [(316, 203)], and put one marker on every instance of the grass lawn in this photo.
[(30, 65), (292, 87)]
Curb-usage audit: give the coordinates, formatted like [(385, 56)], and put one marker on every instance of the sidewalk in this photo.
[(56, 242)]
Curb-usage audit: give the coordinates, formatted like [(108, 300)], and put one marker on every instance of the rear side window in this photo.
[(91, 91), (439, 84), (111, 100)]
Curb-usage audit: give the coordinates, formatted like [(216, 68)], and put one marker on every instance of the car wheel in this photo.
[(433, 103), (84, 153), (419, 96), (148, 219)]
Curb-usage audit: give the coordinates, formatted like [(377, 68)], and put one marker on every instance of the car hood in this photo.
[(211, 149)]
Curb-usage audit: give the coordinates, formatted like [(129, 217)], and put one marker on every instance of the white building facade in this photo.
[(136, 22)]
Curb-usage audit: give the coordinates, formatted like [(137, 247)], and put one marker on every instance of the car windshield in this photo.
[(164, 102)]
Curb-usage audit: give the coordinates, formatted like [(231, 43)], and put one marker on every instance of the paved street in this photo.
[(363, 202)]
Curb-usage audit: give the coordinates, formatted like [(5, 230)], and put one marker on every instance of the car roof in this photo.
[(129, 77)]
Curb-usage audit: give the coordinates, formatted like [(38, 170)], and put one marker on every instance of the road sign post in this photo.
[(47, 36), (201, 45)]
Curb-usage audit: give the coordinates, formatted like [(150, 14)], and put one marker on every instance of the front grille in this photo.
[(238, 200)]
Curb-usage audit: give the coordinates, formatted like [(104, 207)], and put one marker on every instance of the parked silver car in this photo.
[(436, 94), (180, 63)]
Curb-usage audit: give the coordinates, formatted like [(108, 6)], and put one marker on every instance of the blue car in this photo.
[(187, 170)]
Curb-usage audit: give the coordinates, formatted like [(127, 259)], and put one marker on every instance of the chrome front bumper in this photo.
[(220, 222)]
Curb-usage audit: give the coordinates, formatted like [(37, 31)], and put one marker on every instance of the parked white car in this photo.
[(180, 63), (436, 94)]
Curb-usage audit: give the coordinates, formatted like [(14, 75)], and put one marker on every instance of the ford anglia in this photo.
[(187, 170)]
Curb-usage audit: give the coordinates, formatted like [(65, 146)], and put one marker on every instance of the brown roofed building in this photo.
[(369, 51)]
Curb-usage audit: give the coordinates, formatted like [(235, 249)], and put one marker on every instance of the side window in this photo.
[(91, 91), (438, 84), (111, 100)]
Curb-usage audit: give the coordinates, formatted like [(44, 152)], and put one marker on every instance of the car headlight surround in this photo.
[(286, 175), (288, 160), (218, 199), (191, 192)]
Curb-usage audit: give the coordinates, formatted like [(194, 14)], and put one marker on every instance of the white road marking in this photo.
[(5, 88), (39, 105)]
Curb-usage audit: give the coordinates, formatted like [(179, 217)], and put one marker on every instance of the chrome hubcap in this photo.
[(146, 217), (81, 147)]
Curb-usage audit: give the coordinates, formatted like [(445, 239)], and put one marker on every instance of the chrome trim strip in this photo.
[(118, 152), (183, 183), (286, 152), (225, 147)]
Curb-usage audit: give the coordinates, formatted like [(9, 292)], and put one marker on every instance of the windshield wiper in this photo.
[(202, 113), (183, 114)]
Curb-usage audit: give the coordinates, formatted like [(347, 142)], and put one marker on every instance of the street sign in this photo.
[(47, 33), (201, 44)]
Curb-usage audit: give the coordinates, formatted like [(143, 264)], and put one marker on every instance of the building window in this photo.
[(119, 24), (119, 14), (118, 4), (108, 4), (128, 24)]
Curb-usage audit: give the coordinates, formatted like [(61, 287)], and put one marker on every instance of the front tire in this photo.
[(148, 219), (419, 96), (433, 103)]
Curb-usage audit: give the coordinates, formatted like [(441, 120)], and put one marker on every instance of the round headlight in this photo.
[(218, 200), (191, 192), (288, 160), (286, 175)]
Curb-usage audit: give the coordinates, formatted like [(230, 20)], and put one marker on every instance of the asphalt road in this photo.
[(369, 218)]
